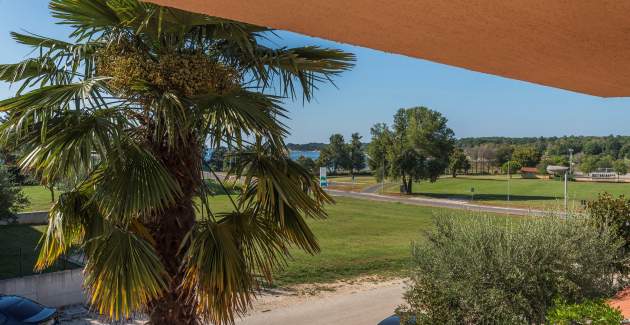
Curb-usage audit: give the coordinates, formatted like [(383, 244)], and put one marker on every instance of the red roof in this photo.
[(529, 170)]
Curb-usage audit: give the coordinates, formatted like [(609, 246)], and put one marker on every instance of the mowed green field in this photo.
[(359, 237), (530, 193), (39, 197)]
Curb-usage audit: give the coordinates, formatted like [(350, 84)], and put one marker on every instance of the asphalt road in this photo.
[(437, 203)]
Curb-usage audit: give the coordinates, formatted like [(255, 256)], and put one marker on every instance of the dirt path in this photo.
[(365, 302)]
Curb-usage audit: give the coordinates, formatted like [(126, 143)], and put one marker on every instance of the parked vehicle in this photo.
[(395, 320), (15, 310)]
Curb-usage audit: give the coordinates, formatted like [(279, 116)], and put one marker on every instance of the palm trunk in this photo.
[(409, 186), (169, 228)]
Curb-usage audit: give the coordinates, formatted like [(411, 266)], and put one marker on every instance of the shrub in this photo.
[(595, 312), (482, 271), (215, 188), (612, 211), (12, 199)]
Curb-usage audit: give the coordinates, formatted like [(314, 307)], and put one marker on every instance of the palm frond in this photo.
[(72, 143), (67, 57), (307, 66), (32, 72), (238, 113), (131, 183), (216, 273), (275, 181), (285, 193), (263, 245), (123, 273), (70, 219), (43, 102), (88, 18)]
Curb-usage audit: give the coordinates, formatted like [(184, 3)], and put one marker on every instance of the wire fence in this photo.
[(20, 262)]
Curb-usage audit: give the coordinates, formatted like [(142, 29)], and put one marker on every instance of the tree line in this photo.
[(589, 153)]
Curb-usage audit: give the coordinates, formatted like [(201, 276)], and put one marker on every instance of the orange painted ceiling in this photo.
[(579, 45)]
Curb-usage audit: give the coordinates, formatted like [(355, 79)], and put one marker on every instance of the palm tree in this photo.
[(123, 112)]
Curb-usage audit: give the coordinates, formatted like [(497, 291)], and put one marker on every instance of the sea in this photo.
[(293, 154)]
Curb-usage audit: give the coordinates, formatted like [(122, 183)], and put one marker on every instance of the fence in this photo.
[(20, 262)]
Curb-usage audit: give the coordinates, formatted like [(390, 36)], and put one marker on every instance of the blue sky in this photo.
[(476, 104)]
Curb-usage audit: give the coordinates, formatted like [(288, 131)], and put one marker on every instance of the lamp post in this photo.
[(509, 172), (566, 180), (571, 161)]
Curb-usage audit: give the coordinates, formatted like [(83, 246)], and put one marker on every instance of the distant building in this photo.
[(603, 173), (557, 170), (529, 172)]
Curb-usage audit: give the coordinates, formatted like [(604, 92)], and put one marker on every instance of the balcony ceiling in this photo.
[(583, 45)]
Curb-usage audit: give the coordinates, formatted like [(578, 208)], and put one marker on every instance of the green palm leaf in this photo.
[(132, 183), (123, 273)]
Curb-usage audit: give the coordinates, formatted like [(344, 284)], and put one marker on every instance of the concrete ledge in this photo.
[(54, 289), (30, 218), (33, 218)]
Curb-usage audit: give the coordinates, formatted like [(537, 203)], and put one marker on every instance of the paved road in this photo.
[(367, 307), (438, 203)]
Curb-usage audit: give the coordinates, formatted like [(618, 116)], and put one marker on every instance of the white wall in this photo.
[(30, 218), (54, 289), (33, 218)]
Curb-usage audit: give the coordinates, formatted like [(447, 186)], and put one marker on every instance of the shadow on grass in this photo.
[(489, 197), (20, 250)]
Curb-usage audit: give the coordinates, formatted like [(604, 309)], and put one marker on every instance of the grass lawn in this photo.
[(39, 197), (359, 237), (530, 193), (19, 243)]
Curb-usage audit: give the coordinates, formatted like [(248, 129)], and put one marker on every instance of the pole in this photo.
[(571, 161), (383, 177), (509, 174), (566, 179)]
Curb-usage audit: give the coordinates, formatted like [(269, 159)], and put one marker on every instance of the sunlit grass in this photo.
[(529, 193)]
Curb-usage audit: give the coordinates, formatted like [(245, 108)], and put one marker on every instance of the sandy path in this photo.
[(362, 303)]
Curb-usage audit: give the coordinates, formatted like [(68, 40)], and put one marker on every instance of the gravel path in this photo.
[(361, 304)]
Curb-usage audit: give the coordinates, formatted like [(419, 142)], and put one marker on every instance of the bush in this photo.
[(12, 199), (612, 211), (215, 188), (595, 312), (482, 271)]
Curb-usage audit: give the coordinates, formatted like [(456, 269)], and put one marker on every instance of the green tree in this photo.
[(128, 104), (526, 156), (503, 154), (511, 167), (336, 154), (593, 147), (620, 167), (357, 156), (612, 146), (378, 148), (306, 163), (458, 161), (217, 158), (421, 144), (12, 199), (605, 161), (612, 211), (588, 164), (624, 152)]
